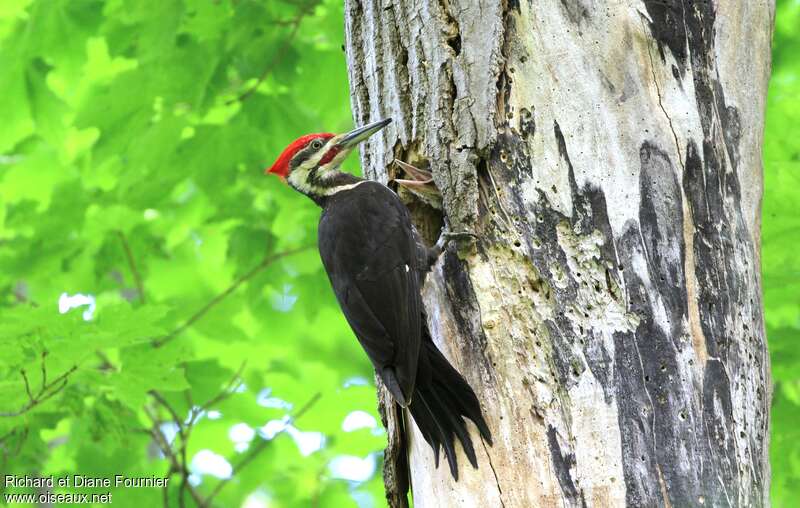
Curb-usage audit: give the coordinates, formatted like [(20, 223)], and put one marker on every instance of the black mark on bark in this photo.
[(562, 463), (562, 144), (576, 11), (455, 43), (656, 415), (668, 29), (466, 311), (661, 220), (527, 123), (720, 480)]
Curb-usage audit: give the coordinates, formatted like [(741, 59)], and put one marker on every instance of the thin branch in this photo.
[(161, 441), (161, 400), (187, 395), (230, 289), (46, 391), (184, 435), (179, 459), (276, 58), (27, 385), (259, 447), (132, 264), (20, 441), (230, 388), (283, 22), (165, 495), (44, 369), (106, 364), (175, 464), (7, 435)]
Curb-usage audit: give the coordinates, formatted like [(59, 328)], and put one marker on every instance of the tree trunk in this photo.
[(609, 318)]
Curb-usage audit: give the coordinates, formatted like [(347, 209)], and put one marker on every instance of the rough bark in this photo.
[(610, 316)]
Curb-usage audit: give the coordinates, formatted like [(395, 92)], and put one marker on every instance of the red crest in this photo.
[(281, 165)]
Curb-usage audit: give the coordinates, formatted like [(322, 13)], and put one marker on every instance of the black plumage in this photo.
[(376, 264)]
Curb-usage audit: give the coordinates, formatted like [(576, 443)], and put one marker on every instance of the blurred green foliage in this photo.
[(133, 137), (780, 233), (131, 141)]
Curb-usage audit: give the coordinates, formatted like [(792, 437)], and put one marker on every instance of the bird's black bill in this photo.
[(356, 136)]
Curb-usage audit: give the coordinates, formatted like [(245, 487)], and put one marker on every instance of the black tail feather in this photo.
[(443, 432), (441, 401), (457, 425), (460, 392), (426, 422)]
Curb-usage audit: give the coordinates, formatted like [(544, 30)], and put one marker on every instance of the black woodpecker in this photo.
[(376, 263)]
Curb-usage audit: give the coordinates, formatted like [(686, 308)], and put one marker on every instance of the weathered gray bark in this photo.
[(609, 318)]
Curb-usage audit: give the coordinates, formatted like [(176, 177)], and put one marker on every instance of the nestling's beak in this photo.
[(356, 136)]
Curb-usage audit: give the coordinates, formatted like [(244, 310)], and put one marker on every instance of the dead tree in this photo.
[(608, 155)]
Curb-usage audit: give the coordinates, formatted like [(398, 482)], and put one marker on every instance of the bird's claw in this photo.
[(447, 236)]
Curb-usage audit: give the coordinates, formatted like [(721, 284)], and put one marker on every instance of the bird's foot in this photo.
[(448, 236)]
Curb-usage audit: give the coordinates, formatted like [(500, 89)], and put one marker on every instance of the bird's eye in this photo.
[(316, 144)]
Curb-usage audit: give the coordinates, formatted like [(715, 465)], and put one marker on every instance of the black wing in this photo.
[(368, 249)]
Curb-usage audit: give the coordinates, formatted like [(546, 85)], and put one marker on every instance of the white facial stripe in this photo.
[(324, 191), (333, 190), (303, 186), (312, 161), (299, 177)]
